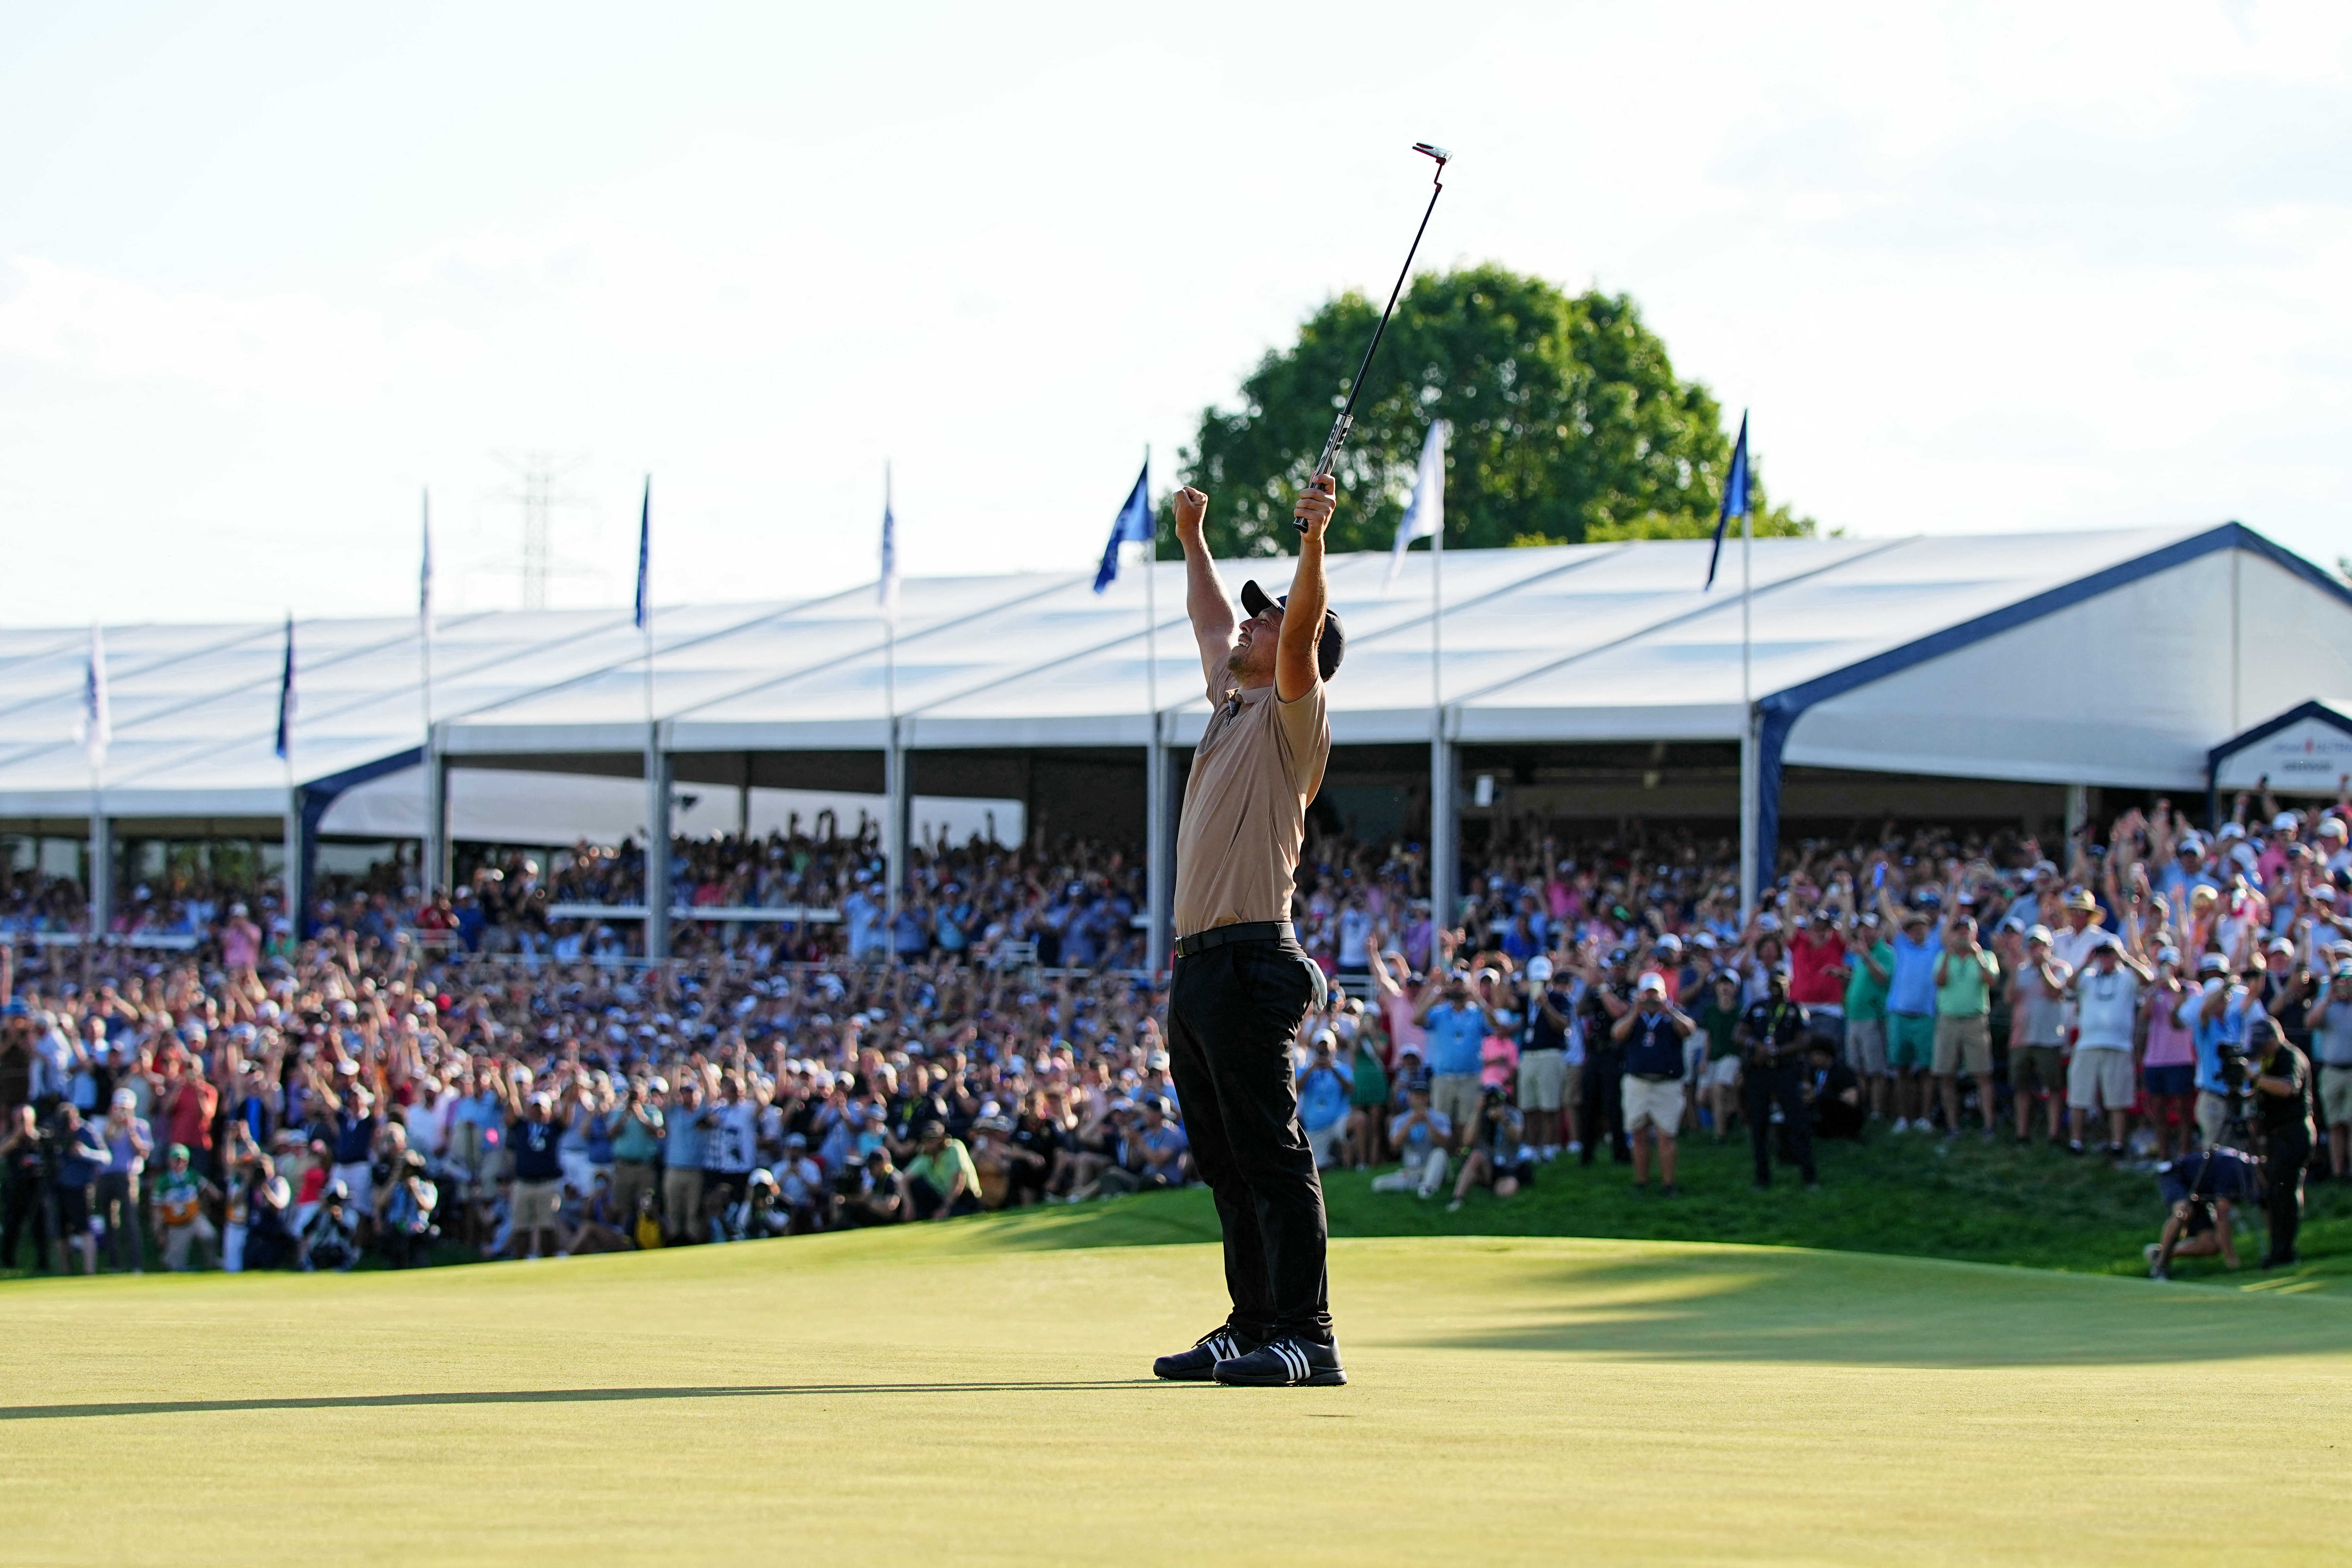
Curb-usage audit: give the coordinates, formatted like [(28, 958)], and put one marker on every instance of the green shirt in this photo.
[(1967, 991), (634, 1143), (939, 1169), (1866, 993), (1718, 1026)]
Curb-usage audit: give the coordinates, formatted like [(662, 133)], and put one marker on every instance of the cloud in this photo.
[(607, 267), (290, 346)]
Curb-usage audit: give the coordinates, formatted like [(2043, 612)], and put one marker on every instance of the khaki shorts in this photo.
[(1658, 1104), (2037, 1067), (2213, 1114), (535, 1203), (1964, 1042), (1866, 1047), (2101, 1080), (1723, 1073), (2335, 1095), (1543, 1079), (1456, 1095)]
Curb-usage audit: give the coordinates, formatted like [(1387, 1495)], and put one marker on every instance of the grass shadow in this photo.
[(547, 1396), (1757, 1304)]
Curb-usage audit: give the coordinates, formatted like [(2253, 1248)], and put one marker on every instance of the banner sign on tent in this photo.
[(2305, 758)]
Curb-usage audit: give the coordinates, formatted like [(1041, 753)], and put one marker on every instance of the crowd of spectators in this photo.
[(422, 1080)]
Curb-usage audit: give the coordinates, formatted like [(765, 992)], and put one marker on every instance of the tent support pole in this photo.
[(1445, 825), (657, 834)]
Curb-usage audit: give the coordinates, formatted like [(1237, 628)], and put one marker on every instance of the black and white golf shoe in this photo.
[(1194, 1366), (1289, 1362)]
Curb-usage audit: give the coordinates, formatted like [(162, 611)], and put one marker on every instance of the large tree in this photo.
[(1568, 424)]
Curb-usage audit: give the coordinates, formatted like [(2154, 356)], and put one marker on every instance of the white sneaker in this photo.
[(1576, 1148), (1901, 1124)]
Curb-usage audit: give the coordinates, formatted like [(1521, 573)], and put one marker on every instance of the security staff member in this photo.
[(1608, 997), (2282, 1091), (1771, 1033), (1241, 984)]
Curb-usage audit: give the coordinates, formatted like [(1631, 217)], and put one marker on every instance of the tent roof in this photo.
[(1605, 642)]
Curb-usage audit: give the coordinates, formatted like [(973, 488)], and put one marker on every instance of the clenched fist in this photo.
[(1191, 506)]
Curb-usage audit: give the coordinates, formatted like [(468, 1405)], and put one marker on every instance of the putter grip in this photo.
[(1331, 455)]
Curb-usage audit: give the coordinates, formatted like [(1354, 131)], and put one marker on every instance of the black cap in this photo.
[(1327, 652)]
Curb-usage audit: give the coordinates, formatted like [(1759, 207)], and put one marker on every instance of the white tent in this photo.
[(2118, 658)]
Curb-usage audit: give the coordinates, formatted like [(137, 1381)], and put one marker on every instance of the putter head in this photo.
[(1431, 150)]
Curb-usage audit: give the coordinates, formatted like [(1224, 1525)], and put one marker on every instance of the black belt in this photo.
[(1247, 931)]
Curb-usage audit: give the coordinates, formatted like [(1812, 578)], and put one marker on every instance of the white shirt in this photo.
[(2108, 1003)]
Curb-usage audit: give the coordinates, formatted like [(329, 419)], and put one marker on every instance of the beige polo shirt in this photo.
[(1244, 817)]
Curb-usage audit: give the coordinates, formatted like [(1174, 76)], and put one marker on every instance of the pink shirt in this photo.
[(2169, 1044)]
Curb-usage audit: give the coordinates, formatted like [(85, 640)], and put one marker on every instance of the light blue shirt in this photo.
[(1913, 988), (1454, 1034)]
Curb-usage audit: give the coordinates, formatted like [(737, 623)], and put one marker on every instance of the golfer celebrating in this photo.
[(1242, 982)]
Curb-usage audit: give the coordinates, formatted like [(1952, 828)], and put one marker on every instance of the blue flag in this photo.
[(644, 557), (285, 695), (1735, 497), (887, 590), (1134, 524)]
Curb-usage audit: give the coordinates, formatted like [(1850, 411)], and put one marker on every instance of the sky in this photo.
[(268, 274)]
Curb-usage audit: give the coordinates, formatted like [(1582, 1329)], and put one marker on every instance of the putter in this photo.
[(1347, 419)]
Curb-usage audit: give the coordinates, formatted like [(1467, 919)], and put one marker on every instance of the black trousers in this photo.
[(1232, 1012), (1603, 1111), (25, 1209), (1762, 1088), (2287, 1154)]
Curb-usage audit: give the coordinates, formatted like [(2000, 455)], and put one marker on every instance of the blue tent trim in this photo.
[(314, 799), (1778, 714), (2321, 711)]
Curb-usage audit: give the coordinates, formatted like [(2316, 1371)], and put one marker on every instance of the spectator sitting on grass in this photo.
[(939, 1183), (331, 1240), (1833, 1094), (1420, 1135), (1494, 1154), (1162, 1155), (406, 1237), (180, 1222), (800, 1187), (878, 1196)]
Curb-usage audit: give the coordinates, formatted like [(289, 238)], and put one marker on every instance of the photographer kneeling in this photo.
[(1495, 1153), (2201, 1189)]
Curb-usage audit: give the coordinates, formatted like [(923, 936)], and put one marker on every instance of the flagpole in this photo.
[(429, 851), (292, 881), (1155, 777), (1750, 874), (894, 831), (1443, 823), (658, 801)]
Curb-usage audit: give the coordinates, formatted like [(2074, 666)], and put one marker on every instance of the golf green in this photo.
[(978, 1392)]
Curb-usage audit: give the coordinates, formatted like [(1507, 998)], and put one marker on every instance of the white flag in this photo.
[(94, 726), (424, 576), (1424, 514)]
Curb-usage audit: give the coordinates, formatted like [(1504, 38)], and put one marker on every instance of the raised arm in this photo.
[(1205, 600), (1295, 667)]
